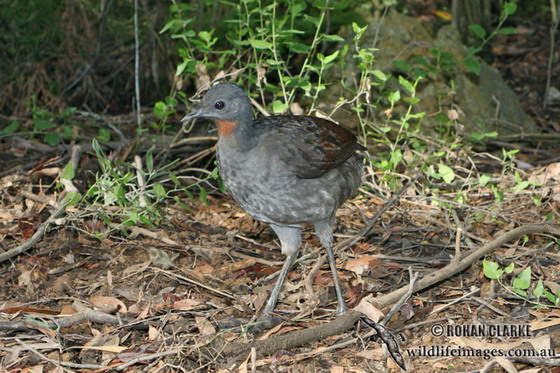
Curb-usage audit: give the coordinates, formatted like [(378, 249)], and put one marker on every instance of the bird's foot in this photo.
[(341, 309), (266, 320), (233, 323)]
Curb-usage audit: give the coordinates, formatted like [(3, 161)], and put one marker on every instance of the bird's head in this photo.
[(226, 105)]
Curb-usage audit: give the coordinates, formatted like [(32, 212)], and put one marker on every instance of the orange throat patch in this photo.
[(225, 127)]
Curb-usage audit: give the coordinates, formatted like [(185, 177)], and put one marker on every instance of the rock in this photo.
[(485, 102), (553, 95)]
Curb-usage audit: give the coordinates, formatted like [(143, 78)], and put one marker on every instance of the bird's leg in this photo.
[(271, 302), (290, 239), (341, 308), (324, 232)]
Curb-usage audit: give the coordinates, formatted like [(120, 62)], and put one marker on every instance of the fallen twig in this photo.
[(58, 212), (467, 259), (297, 338), (346, 322)]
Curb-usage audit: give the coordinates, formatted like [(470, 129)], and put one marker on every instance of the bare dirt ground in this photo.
[(167, 297)]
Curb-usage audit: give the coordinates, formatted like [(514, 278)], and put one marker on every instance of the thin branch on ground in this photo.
[(57, 362), (346, 322), (413, 278), (468, 258)]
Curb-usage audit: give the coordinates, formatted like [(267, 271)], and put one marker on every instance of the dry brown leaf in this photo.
[(296, 109), (153, 334), (187, 304), (375, 354), (368, 309), (42, 328), (270, 332), (336, 369), (440, 366), (543, 324), (67, 310), (361, 265), (145, 311), (6, 216), (204, 269), (452, 114), (553, 286), (204, 326), (52, 171), (108, 304), (113, 349), (136, 268), (34, 369), (24, 279)]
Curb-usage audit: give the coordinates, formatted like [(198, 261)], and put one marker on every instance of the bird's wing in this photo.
[(311, 145)]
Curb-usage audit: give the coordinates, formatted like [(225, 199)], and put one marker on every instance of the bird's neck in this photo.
[(239, 136)]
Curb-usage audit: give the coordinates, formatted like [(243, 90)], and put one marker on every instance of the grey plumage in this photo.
[(284, 170)]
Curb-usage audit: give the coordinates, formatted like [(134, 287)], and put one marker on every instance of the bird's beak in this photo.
[(195, 114)]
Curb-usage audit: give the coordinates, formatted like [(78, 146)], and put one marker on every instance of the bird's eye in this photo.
[(219, 105)]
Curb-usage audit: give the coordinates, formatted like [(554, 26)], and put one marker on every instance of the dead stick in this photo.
[(467, 259), (297, 338), (346, 322), (59, 211), (36, 236)]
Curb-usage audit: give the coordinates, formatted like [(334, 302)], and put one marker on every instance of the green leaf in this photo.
[(359, 31), (159, 109), (472, 65), (72, 198), (412, 101), (104, 135), (42, 124), (507, 31), (396, 156), (498, 194), (167, 26), (52, 138), (12, 127), (510, 8), (159, 190), (509, 268), (379, 75), (523, 280), (551, 297), (406, 84), (491, 270), (279, 107), (473, 50), (521, 186), (296, 47), (404, 66), (68, 172), (478, 31), (394, 97), (446, 173), (483, 180), (539, 289), (181, 67), (327, 59), (260, 44), (203, 194), (335, 38), (205, 36), (174, 179)]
